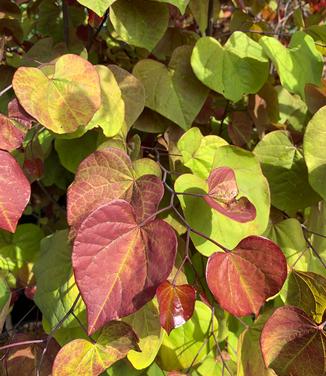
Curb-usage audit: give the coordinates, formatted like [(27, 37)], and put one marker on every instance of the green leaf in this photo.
[(173, 91), (314, 151), (215, 366), (97, 6), (241, 60), (250, 358), (72, 152), (199, 10), (5, 297), (198, 151), (180, 4), (82, 357), (251, 183), (286, 171), (141, 23), (289, 236), (110, 116), (298, 64), (308, 292), (56, 288), (146, 324), (179, 349)]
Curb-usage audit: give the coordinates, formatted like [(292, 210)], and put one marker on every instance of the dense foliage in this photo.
[(162, 187)]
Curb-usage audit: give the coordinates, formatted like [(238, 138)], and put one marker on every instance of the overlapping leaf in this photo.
[(15, 192), (241, 60), (134, 258), (290, 61), (176, 304), (5, 297), (82, 357), (222, 193), (241, 280), (64, 100), (168, 92), (292, 344), (106, 175)]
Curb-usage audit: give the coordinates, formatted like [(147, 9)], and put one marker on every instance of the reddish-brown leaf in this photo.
[(240, 128), (176, 304), (11, 136), (16, 112), (15, 192), (292, 344), (107, 175), (118, 264), (221, 196), (243, 279)]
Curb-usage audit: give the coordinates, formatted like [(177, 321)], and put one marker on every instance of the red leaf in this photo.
[(221, 196), (118, 264), (16, 112), (292, 344), (11, 137), (15, 192), (107, 175), (243, 279), (176, 304)]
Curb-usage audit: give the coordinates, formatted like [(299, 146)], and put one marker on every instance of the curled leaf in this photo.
[(241, 280), (221, 196), (176, 304)]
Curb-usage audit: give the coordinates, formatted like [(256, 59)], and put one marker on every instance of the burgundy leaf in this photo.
[(118, 264), (176, 304), (243, 279), (221, 196), (16, 112), (107, 175), (15, 192), (11, 136), (292, 344)]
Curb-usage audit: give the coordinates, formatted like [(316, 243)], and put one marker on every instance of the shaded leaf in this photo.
[(243, 279), (290, 60), (240, 60), (82, 357), (307, 291), (222, 193), (65, 100), (17, 113), (168, 92), (315, 96), (314, 152), (112, 233), (5, 297), (292, 344), (141, 23), (15, 192), (11, 134), (176, 304)]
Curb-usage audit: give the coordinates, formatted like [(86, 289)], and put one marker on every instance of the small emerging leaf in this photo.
[(221, 196), (243, 279), (176, 304)]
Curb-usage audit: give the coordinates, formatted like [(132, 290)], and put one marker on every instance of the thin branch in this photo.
[(210, 18), (5, 90), (94, 36), (314, 250), (313, 232), (23, 343)]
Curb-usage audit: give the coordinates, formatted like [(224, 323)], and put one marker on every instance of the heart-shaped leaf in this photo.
[(176, 304), (290, 60), (168, 92), (82, 357), (134, 260), (15, 192), (64, 100), (221, 196), (243, 279), (106, 175), (240, 61), (292, 344)]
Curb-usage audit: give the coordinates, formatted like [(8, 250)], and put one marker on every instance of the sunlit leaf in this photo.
[(240, 60), (290, 60), (64, 101), (241, 280), (292, 344), (222, 193), (15, 192), (134, 258), (98, 6), (5, 297), (82, 357), (180, 4), (176, 304), (168, 92)]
